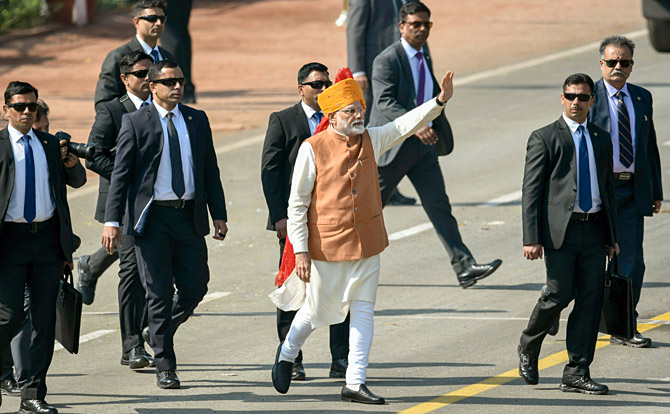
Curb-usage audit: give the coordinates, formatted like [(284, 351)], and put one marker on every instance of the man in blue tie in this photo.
[(287, 129), (569, 215)]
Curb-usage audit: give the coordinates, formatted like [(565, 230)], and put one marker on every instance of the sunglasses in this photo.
[(21, 106), (318, 84), (139, 73), (170, 82), (612, 62), (153, 18), (583, 97), (417, 25)]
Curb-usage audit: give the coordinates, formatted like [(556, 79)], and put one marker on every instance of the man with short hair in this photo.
[(36, 239), (402, 79), (626, 112), (165, 178), (149, 21), (287, 129), (569, 213)]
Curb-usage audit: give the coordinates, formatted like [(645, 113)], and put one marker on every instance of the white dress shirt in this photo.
[(137, 101), (595, 190), (163, 184), (147, 49), (614, 124), (44, 203), (309, 113)]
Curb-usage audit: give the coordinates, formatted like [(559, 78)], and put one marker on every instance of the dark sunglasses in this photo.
[(417, 25), (153, 18), (318, 84), (612, 62), (170, 82), (583, 97), (139, 73), (21, 106)]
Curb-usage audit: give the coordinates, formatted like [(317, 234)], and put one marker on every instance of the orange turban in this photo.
[(344, 92)]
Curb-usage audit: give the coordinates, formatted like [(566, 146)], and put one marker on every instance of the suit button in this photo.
[(355, 208), (351, 175), (574, 190), (348, 145), (353, 192)]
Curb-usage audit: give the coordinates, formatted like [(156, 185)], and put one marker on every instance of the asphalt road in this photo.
[(434, 342)]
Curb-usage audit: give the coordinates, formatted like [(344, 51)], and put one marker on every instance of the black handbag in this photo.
[(618, 314), (68, 314)]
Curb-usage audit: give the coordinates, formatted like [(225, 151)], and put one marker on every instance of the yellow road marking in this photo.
[(512, 374)]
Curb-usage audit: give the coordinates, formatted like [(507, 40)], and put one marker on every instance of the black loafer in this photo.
[(637, 341), (528, 367), (9, 386), (146, 335), (36, 407), (138, 358), (86, 283), (398, 199), (583, 384), (363, 396), (338, 368), (554, 326), (476, 272), (167, 379), (281, 373), (298, 373)]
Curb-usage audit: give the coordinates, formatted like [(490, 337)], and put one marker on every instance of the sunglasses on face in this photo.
[(153, 18), (21, 106), (170, 82), (417, 25), (318, 84), (139, 73), (583, 97), (612, 62)]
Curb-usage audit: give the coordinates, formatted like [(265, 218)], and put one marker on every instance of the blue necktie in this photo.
[(143, 104), (625, 136), (585, 200), (178, 185), (154, 55), (421, 90), (317, 116), (29, 200)]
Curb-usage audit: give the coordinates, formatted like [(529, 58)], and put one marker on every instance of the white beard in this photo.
[(351, 129)]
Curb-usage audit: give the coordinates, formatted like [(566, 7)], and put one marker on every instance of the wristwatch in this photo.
[(438, 101)]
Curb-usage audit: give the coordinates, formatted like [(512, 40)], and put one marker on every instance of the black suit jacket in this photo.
[(109, 84), (394, 95), (138, 153), (103, 136), (287, 129), (550, 183), (647, 178), (59, 176)]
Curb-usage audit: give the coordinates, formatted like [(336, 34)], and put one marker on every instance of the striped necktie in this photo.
[(625, 137)]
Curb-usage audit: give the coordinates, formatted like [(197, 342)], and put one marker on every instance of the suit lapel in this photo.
[(406, 69), (569, 145), (154, 122), (602, 104), (598, 154), (7, 160), (301, 120), (639, 115), (192, 132)]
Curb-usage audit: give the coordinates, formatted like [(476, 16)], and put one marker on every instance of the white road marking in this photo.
[(88, 337), (504, 199), (240, 144), (410, 231), (214, 296)]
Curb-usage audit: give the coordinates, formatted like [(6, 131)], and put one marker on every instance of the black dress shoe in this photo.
[(554, 326), (363, 396), (9, 386), (398, 199), (338, 368), (167, 379), (146, 335), (298, 373), (281, 373), (637, 341), (36, 407), (138, 358), (86, 282), (476, 272), (528, 367), (583, 384)]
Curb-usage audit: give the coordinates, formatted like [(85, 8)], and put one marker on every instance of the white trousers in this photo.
[(361, 329)]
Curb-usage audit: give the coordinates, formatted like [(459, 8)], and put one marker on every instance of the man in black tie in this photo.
[(287, 129), (36, 239), (569, 212), (626, 111), (166, 170)]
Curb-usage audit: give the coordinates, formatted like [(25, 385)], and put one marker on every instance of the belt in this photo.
[(176, 204), (585, 216), (623, 176), (33, 227)]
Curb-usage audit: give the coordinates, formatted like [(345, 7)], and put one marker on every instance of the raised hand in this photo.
[(447, 86)]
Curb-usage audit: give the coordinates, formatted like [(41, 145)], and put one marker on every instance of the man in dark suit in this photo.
[(287, 129), (166, 170), (177, 40), (132, 303), (36, 239), (626, 112), (149, 21), (569, 211), (402, 79)]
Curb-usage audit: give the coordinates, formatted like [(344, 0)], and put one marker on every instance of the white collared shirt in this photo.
[(595, 190), (309, 113), (163, 184), (614, 124), (137, 101), (44, 203), (147, 49)]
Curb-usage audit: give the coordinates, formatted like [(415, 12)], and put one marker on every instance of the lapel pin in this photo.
[(639, 99), (190, 118), (595, 134), (645, 117), (44, 142)]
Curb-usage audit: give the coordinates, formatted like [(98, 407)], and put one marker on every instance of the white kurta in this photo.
[(334, 284)]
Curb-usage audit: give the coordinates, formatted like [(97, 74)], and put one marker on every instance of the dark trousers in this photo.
[(631, 235), (169, 254), (35, 259), (132, 297), (419, 163), (17, 356), (177, 40), (574, 271), (100, 261)]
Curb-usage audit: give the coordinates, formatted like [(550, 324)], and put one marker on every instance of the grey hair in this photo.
[(616, 40)]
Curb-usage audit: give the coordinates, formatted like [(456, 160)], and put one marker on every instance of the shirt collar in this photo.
[(411, 52), (611, 90), (573, 125), (136, 100), (162, 112), (145, 45), (16, 135), (309, 111)]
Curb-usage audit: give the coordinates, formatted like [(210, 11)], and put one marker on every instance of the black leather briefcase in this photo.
[(618, 318), (68, 314)]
